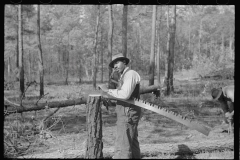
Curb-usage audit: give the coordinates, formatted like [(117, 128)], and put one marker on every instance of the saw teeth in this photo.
[(180, 116)]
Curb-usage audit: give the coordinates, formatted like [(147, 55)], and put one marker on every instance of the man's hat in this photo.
[(118, 57), (216, 93)]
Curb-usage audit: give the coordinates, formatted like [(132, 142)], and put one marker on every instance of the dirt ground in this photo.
[(159, 137)]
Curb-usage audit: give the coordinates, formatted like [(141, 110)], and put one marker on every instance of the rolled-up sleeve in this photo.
[(130, 80)]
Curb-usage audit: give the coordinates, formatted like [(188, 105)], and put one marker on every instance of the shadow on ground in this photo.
[(184, 152)]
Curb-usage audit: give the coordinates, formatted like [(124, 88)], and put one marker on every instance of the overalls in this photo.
[(128, 115)]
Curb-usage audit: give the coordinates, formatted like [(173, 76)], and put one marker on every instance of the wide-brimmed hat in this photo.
[(216, 93), (118, 57)]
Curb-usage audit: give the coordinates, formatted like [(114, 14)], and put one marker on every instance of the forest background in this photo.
[(75, 39)]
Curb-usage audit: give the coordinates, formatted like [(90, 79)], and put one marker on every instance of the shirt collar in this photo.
[(125, 70)]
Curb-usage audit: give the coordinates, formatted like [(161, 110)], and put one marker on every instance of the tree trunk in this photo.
[(167, 50), (86, 71), (200, 36), (189, 39), (40, 61), (124, 30), (158, 49), (20, 49), (9, 68), (66, 60), (223, 46), (110, 39), (95, 49), (101, 56), (140, 42), (152, 56), (17, 46), (79, 69), (51, 61), (158, 60), (94, 145), (29, 66), (171, 53)]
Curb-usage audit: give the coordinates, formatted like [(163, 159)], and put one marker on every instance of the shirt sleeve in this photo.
[(130, 80), (229, 92)]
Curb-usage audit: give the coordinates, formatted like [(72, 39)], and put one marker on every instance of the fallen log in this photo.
[(12, 107), (149, 89), (34, 107)]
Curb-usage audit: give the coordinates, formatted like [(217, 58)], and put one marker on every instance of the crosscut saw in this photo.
[(163, 111)]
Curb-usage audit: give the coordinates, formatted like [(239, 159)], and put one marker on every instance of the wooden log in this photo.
[(149, 89), (16, 108), (94, 145)]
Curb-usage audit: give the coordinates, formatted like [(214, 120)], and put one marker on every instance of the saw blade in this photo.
[(163, 111), (172, 115), (169, 114)]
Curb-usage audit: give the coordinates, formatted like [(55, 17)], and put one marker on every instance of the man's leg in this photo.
[(136, 154), (123, 142)]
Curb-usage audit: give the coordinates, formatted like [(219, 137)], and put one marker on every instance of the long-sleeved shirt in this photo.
[(228, 92), (128, 81), (227, 103)]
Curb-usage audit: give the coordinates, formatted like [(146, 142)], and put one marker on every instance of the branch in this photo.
[(23, 95), (41, 98), (11, 103), (50, 114)]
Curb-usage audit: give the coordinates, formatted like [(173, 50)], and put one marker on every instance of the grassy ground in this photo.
[(65, 135)]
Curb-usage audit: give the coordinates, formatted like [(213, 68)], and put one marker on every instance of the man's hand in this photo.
[(103, 87)]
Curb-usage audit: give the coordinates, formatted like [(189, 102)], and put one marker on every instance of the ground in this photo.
[(159, 137)]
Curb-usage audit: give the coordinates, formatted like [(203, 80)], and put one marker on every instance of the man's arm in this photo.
[(130, 81), (228, 92)]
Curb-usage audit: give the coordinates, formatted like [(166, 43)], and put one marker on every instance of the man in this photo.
[(225, 96), (128, 115)]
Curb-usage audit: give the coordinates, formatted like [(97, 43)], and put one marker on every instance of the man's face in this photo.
[(119, 66)]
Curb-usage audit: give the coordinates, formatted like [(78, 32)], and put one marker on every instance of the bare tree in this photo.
[(167, 50), (40, 61), (152, 56), (110, 39), (172, 30), (20, 50), (158, 48), (95, 49), (101, 52), (124, 30)]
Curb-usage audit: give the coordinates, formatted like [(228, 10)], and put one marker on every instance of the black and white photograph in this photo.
[(119, 81)]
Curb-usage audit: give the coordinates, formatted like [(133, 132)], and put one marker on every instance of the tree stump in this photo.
[(94, 145)]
